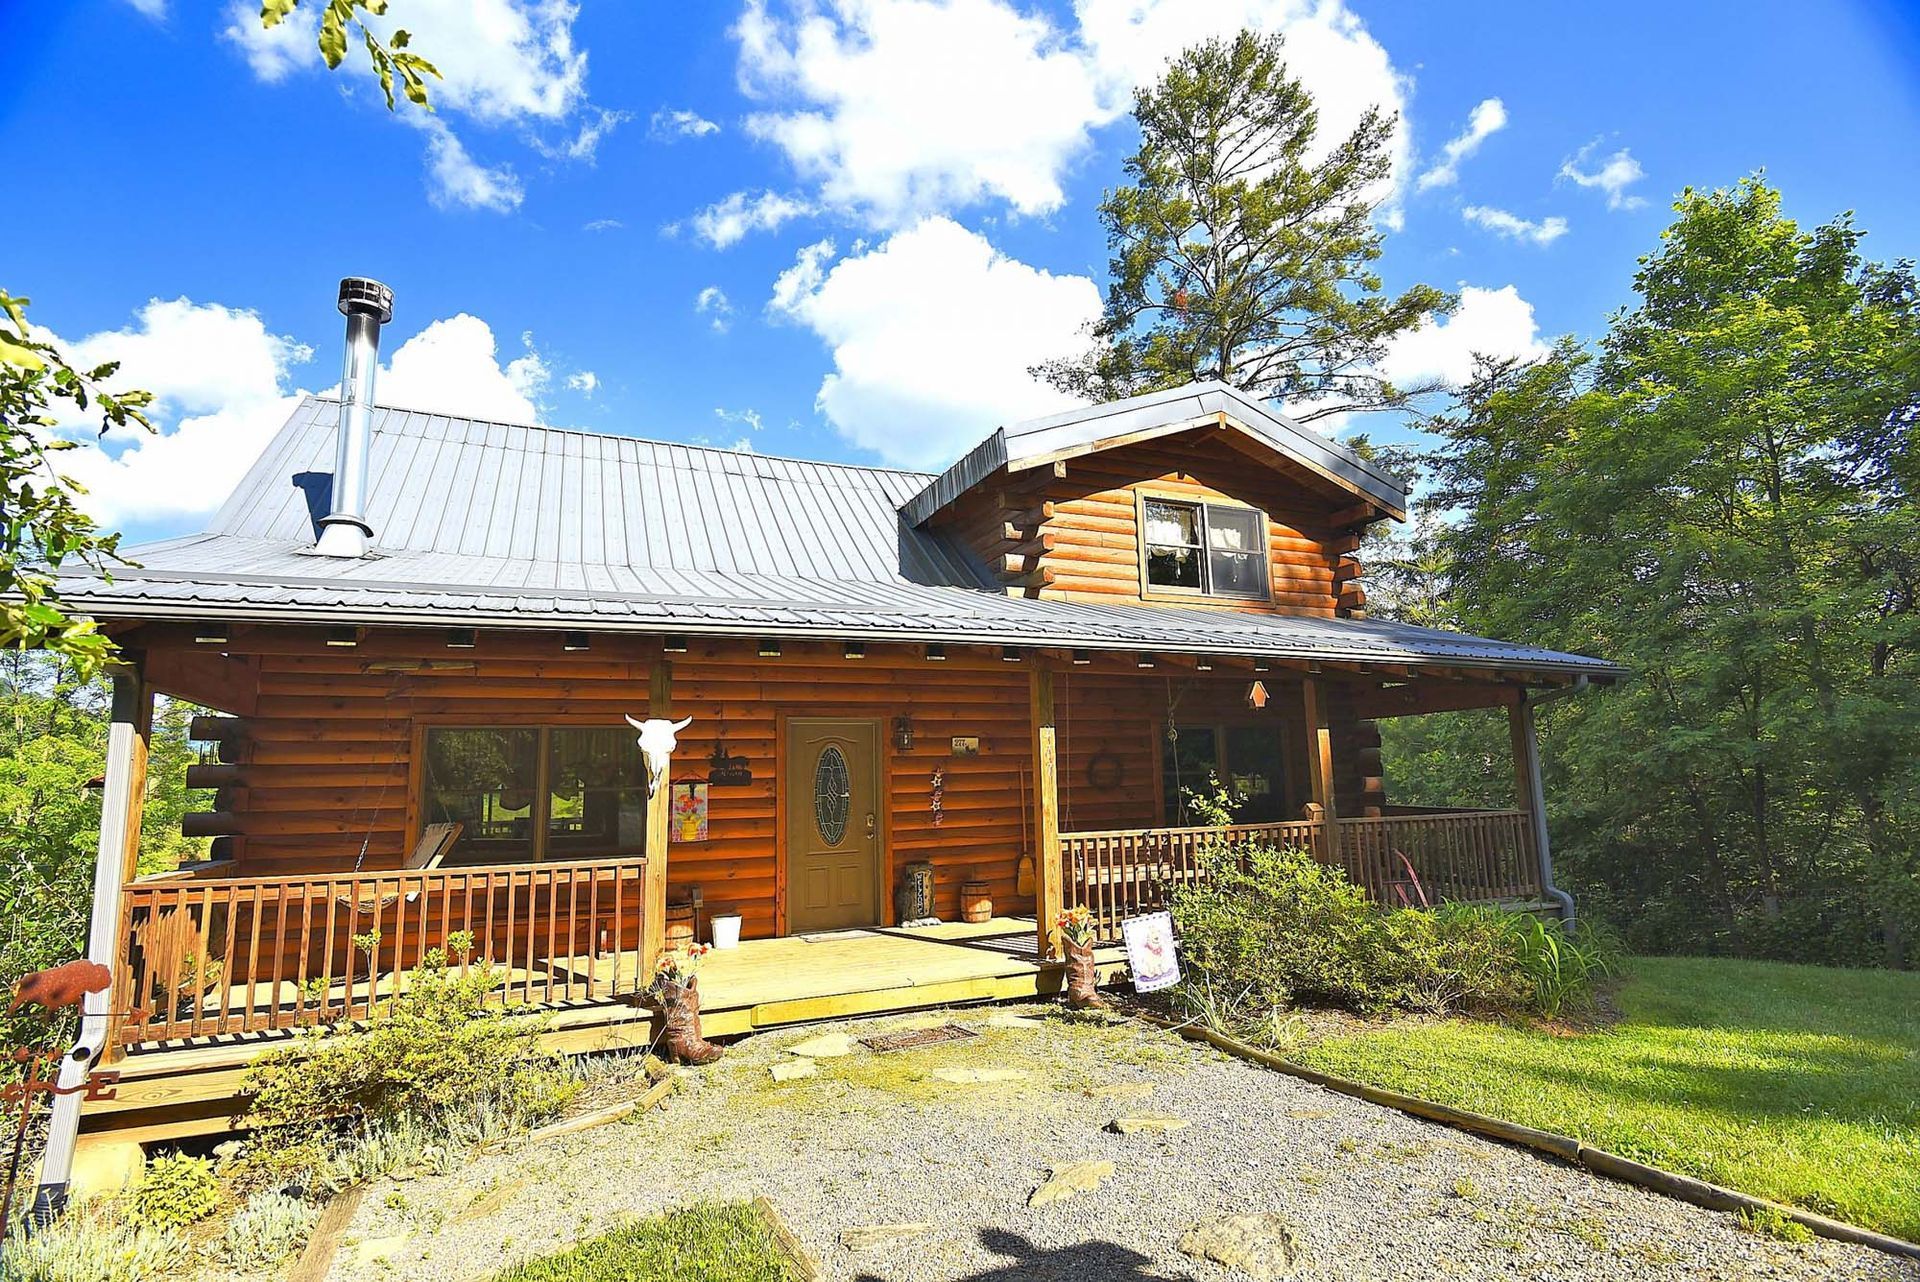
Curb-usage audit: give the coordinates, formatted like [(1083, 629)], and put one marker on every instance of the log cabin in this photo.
[(962, 701)]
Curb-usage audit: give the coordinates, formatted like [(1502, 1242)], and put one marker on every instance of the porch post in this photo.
[(117, 857), (653, 918), (1320, 767), (1048, 898), (1532, 798)]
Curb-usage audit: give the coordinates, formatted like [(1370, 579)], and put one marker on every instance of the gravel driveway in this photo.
[(885, 1139)]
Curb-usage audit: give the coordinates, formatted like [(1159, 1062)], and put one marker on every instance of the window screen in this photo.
[(1206, 547)]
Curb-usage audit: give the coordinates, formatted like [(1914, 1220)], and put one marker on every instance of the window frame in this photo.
[(542, 809), (1206, 591)]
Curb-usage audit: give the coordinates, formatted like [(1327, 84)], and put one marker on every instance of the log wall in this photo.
[(1076, 537)]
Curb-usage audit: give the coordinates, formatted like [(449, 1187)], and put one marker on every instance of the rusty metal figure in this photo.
[(57, 989)]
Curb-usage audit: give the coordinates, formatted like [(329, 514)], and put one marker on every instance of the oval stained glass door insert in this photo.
[(832, 795)]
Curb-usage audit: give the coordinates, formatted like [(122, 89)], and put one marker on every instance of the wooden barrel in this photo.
[(679, 935), (976, 905)]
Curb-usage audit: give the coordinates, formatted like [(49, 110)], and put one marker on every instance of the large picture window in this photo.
[(1213, 549), (532, 793), (1248, 760)]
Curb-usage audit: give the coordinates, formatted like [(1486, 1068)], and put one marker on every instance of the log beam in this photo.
[(1048, 897), (653, 922), (1320, 765)]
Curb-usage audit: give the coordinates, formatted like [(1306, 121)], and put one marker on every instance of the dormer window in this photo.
[(1206, 549)]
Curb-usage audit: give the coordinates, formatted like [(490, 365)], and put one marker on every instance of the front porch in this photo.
[(190, 1084)]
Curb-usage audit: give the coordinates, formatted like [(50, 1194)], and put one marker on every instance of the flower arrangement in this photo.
[(677, 969), (1074, 925)]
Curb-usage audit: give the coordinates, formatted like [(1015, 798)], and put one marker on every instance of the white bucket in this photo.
[(726, 930)]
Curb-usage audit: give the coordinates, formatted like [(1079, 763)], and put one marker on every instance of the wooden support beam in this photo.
[(653, 923), (1320, 765), (1530, 796), (117, 859), (1048, 896), (1413, 700)]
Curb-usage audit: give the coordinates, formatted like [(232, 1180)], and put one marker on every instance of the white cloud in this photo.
[(932, 333), (749, 417), (502, 62), (274, 53), (584, 381), (1514, 227), (808, 270), (219, 378), (584, 146), (1487, 119), (673, 124), (1488, 322), (223, 385), (713, 303), (728, 221), (1614, 175), (603, 224), (155, 9), (899, 108), (455, 180)]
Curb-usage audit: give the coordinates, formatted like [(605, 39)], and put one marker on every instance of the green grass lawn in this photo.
[(712, 1242), (1798, 1083)]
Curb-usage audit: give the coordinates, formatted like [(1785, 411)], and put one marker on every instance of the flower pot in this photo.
[(1082, 976), (680, 1007), (726, 930)]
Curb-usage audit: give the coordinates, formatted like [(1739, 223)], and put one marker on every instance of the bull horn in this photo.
[(637, 725), (682, 724)]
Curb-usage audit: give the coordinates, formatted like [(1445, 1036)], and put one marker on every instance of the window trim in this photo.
[(543, 726), (1150, 590)]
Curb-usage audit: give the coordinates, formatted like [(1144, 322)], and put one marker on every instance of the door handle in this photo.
[(870, 824)]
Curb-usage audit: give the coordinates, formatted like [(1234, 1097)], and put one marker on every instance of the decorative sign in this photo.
[(726, 771), (1257, 694), (966, 746), (687, 811), (937, 803), (1150, 952)]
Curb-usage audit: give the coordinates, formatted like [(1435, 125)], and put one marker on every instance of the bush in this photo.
[(271, 1227), (93, 1242), (436, 1057), (1270, 927), (175, 1190)]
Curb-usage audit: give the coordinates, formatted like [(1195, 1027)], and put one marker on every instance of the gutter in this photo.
[(1530, 701)]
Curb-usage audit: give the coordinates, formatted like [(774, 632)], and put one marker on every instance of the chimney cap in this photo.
[(364, 294)]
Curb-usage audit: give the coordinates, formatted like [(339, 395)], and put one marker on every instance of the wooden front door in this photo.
[(832, 791)]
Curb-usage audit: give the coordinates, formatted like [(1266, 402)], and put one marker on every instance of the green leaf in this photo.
[(333, 33), (273, 12), (14, 353)]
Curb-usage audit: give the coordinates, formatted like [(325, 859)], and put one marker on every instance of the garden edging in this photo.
[(1565, 1147)]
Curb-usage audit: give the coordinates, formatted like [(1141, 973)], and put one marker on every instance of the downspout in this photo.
[(1537, 800), (103, 946)]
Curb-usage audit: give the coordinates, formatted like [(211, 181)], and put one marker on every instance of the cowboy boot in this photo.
[(1081, 993), (683, 1041)]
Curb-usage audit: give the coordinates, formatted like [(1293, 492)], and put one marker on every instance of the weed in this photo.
[(268, 1229), (1768, 1221), (1465, 1189), (175, 1190)]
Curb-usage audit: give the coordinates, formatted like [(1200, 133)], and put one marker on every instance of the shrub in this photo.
[(1770, 1221), (175, 1190), (92, 1243), (1268, 927), (434, 1058), (271, 1227)]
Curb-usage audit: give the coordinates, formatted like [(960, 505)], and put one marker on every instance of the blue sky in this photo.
[(894, 198)]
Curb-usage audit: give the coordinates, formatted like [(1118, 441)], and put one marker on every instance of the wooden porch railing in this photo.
[(207, 956), (1465, 855), (1479, 855)]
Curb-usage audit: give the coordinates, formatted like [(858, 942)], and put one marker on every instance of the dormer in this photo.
[(1196, 497)]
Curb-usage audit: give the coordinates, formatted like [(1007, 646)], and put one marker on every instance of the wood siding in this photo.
[(1076, 537), (327, 756)]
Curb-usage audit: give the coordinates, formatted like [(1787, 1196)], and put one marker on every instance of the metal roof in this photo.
[(501, 525), (1039, 441)]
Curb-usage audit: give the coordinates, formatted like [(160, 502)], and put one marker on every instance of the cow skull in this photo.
[(657, 736)]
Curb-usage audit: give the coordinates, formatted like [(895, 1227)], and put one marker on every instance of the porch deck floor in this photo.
[(171, 1090)]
